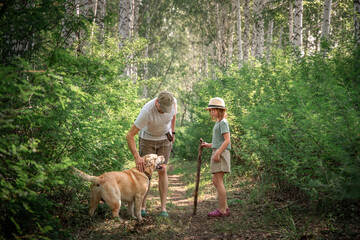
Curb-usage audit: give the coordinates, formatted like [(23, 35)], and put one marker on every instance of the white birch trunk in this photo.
[(326, 19), (247, 29), (127, 26), (281, 31), (291, 21), (254, 36), (298, 28), (232, 32), (124, 22), (94, 19), (100, 18), (357, 21), (258, 44), (270, 35), (238, 14)]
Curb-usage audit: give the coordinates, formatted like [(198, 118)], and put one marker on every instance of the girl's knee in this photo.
[(214, 180)]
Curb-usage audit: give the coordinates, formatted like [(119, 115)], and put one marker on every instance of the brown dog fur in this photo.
[(129, 186)]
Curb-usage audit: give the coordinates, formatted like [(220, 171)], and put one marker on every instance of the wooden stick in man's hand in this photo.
[(198, 175)]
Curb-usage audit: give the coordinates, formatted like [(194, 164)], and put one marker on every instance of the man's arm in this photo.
[(130, 138)]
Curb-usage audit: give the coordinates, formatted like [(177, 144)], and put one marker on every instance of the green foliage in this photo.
[(75, 110), (294, 122)]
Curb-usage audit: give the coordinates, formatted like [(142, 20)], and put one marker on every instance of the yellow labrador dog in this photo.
[(129, 186)]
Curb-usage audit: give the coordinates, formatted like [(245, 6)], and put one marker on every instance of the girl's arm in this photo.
[(222, 148), (206, 145)]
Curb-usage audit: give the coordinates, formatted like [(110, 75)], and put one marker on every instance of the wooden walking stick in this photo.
[(198, 175)]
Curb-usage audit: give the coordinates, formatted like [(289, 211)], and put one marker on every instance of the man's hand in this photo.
[(140, 164)]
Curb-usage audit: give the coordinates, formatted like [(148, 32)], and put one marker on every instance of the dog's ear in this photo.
[(149, 159)]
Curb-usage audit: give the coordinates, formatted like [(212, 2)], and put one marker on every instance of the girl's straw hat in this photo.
[(216, 103)]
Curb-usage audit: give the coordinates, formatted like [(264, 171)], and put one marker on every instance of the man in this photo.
[(156, 119)]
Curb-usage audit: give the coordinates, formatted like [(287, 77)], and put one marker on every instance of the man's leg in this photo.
[(164, 148), (163, 187)]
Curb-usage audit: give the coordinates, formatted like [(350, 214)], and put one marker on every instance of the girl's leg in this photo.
[(218, 181)]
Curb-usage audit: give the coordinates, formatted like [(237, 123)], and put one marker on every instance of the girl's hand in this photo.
[(206, 145), (216, 157)]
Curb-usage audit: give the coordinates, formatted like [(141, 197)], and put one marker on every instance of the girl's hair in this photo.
[(222, 113)]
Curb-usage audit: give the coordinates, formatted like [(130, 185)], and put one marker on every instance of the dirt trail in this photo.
[(260, 217), (180, 225)]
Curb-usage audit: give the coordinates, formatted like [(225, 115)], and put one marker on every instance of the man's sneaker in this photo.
[(163, 214), (143, 213)]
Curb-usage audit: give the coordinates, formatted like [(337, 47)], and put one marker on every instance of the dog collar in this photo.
[(148, 175)]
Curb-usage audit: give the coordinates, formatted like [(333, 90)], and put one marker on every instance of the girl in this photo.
[(220, 158)]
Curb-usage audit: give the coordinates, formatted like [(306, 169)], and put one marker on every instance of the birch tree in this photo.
[(238, 15), (326, 24), (326, 19), (270, 30), (298, 27), (129, 11), (258, 36), (247, 29), (291, 21)]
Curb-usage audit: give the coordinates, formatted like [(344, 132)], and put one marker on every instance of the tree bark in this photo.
[(247, 29), (259, 32), (298, 27), (326, 19), (238, 14), (270, 34), (326, 25), (291, 21)]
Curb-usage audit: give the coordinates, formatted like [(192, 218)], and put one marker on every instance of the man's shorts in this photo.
[(160, 147), (224, 164)]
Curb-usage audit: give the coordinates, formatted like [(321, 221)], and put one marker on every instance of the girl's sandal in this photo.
[(217, 213)]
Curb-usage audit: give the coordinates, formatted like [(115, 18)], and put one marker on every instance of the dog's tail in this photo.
[(85, 176)]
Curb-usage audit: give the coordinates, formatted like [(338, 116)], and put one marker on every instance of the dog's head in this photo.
[(153, 161)]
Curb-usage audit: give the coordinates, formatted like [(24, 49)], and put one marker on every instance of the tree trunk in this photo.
[(238, 14), (291, 21), (101, 18), (94, 19), (247, 29), (127, 32), (124, 30), (298, 28), (326, 25), (258, 44), (326, 19), (357, 21), (221, 26), (270, 35)]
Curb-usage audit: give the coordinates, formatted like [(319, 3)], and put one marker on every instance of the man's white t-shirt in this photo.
[(152, 124)]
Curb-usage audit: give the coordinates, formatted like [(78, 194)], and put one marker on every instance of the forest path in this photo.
[(181, 224), (255, 214)]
